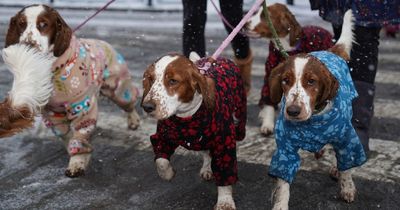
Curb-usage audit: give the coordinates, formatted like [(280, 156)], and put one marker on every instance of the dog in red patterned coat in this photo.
[(294, 38), (200, 104)]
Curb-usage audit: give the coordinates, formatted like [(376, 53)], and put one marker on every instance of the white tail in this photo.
[(347, 37), (32, 85)]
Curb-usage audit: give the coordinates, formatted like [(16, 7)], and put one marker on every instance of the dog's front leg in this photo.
[(205, 171), (164, 169), (347, 187), (280, 195), (267, 118), (225, 198)]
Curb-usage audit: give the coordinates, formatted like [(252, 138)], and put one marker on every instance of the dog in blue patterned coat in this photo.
[(316, 93)]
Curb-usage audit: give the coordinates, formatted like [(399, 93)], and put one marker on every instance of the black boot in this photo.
[(363, 110)]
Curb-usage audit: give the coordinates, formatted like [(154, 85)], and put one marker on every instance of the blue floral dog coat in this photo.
[(333, 127)]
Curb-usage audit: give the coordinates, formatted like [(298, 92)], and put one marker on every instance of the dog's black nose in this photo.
[(293, 110), (148, 107)]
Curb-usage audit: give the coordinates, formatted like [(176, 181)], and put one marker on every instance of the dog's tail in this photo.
[(344, 44)]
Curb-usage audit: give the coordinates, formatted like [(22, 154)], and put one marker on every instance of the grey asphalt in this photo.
[(122, 174)]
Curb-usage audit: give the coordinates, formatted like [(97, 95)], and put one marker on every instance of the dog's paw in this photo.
[(347, 187), (133, 120), (348, 194), (267, 118), (206, 174), (77, 165), (266, 129), (225, 206), (164, 169), (72, 173)]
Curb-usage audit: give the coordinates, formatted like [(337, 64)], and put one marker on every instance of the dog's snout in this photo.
[(293, 110), (149, 107)]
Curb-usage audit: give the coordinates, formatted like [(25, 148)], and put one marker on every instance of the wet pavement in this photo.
[(122, 174)]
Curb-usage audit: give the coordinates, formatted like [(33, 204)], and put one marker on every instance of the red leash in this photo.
[(97, 12)]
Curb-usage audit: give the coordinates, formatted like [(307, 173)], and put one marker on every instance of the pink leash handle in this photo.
[(97, 12), (235, 31)]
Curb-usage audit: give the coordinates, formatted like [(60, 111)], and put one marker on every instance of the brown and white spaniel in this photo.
[(316, 93), (61, 76), (294, 38), (200, 104)]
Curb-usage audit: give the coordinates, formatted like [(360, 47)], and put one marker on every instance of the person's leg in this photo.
[(363, 64), (194, 21), (232, 10)]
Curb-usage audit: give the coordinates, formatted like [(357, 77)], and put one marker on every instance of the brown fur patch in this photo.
[(13, 120)]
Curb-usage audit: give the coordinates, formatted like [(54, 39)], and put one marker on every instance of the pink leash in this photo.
[(97, 12), (235, 31)]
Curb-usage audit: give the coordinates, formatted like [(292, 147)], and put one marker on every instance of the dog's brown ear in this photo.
[(295, 28), (13, 34), (275, 83), (63, 35), (205, 87), (329, 87)]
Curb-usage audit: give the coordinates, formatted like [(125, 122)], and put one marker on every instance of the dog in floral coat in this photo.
[(83, 69), (200, 104)]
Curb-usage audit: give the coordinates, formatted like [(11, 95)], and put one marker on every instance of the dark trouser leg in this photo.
[(363, 65), (232, 10), (194, 21)]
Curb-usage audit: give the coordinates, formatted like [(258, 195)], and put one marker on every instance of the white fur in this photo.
[(280, 195), (78, 163), (347, 187), (225, 199), (267, 117), (32, 85), (297, 95), (347, 35), (188, 109), (194, 56), (31, 33), (205, 171), (164, 169), (255, 19)]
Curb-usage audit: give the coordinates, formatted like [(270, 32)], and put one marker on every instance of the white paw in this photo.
[(225, 199), (206, 174), (225, 206), (133, 120), (164, 169), (280, 195), (347, 187), (267, 117), (77, 165)]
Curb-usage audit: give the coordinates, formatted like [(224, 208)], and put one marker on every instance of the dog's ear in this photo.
[(204, 86), (63, 35), (275, 83), (295, 28), (329, 88), (13, 34)]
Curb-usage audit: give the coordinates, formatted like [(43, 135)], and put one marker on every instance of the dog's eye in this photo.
[(172, 82), (311, 82), (42, 25), (285, 81)]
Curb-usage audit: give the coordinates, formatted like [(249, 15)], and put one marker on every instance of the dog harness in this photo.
[(313, 38), (333, 127), (214, 130)]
